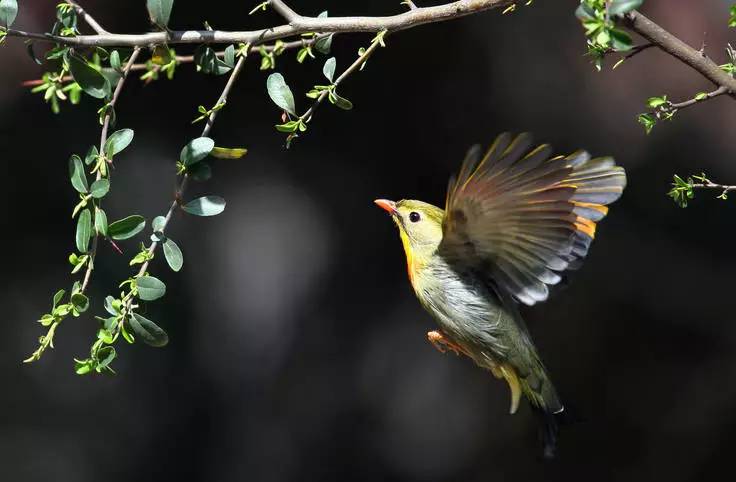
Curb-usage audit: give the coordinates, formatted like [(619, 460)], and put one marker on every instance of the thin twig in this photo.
[(307, 116), (667, 42), (300, 25), (410, 4), (637, 49), (186, 59), (182, 185), (103, 139), (87, 18), (711, 185), (710, 95)]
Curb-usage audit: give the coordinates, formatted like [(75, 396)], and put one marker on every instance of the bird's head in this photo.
[(420, 227)]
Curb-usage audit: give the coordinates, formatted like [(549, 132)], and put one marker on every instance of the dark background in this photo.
[(297, 348)]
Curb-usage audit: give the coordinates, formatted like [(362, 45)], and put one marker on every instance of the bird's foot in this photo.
[(442, 344)]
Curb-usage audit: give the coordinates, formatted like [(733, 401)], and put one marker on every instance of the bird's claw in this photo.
[(442, 344)]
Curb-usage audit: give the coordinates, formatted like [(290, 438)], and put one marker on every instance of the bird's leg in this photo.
[(442, 344)]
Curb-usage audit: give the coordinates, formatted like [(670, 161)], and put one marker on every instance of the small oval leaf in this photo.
[(89, 78), (619, 7), (127, 227), (77, 174), (148, 331), (201, 171), (101, 222), (205, 206), (160, 11), (329, 68), (8, 12), (99, 188), (150, 288), (118, 141), (280, 93), (173, 255), (84, 230), (158, 223), (80, 302), (196, 150)]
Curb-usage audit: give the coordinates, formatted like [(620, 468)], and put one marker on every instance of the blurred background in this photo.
[(297, 349)]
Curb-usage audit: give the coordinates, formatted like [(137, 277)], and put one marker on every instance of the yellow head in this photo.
[(420, 227)]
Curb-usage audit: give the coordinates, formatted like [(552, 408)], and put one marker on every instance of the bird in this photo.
[(516, 219)]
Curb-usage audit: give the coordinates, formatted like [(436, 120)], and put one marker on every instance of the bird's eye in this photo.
[(414, 217)]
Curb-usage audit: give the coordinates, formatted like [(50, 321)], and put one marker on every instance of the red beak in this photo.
[(389, 206)]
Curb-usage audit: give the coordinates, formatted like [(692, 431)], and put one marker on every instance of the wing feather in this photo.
[(524, 216)]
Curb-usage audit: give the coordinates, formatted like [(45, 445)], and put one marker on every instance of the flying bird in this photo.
[(515, 220)]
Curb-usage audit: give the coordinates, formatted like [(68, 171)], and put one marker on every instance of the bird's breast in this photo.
[(462, 306)]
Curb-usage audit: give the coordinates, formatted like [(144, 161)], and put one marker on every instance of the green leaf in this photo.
[(8, 12), (89, 78), (91, 155), (77, 174), (127, 227), (205, 206), (173, 255), (280, 93), (82, 367), (101, 222), (150, 288), (118, 141), (584, 12), (620, 7), (99, 188), (105, 356), (31, 52), (620, 40), (701, 96), (655, 102), (80, 302), (229, 57), (341, 102), (323, 44), (291, 126), (160, 11), (648, 121), (201, 171), (161, 55), (228, 153), (206, 61), (115, 60), (158, 223), (329, 68), (84, 230), (57, 297), (148, 331), (196, 150)]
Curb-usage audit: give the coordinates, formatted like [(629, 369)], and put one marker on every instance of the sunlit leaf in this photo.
[(150, 288)]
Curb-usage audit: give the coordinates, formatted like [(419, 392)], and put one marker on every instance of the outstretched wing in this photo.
[(523, 216)]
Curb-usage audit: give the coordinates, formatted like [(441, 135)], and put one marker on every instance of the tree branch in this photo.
[(667, 42), (87, 18), (103, 139), (182, 185), (186, 59), (284, 10), (724, 188), (298, 26), (710, 95)]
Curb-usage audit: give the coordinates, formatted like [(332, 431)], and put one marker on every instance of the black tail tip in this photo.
[(549, 429)]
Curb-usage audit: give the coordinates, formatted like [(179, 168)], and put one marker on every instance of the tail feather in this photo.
[(549, 427)]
